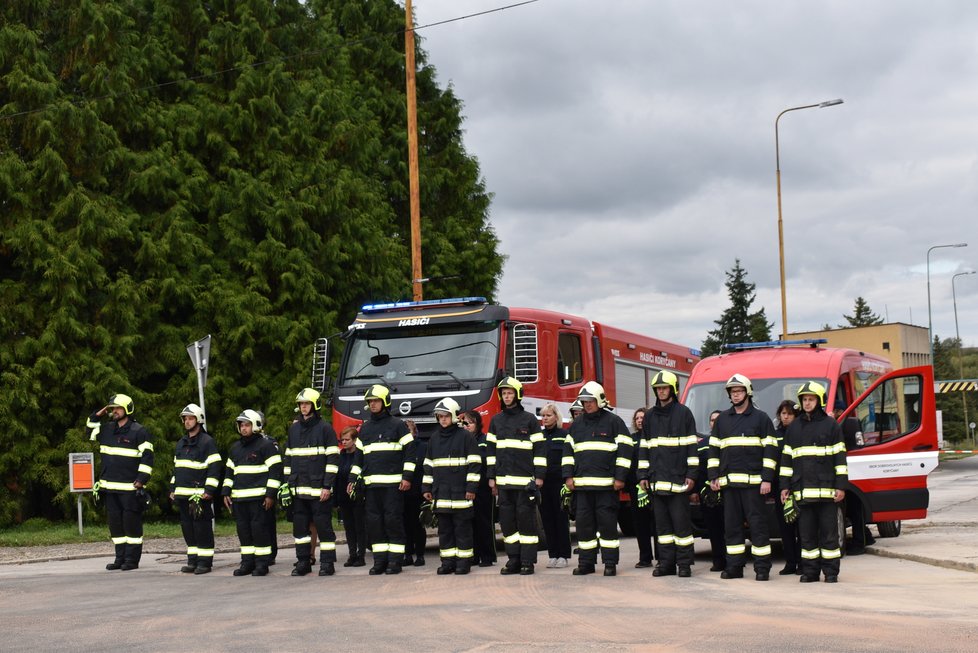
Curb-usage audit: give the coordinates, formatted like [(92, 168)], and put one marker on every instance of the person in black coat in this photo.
[(484, 523), (556, 525), (417, 537), (785, 415), (350, 508)]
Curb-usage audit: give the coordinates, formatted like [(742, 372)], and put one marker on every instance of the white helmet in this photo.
[(592, 390), (741, 381), (252, 416), (448, 405), (193, 410)]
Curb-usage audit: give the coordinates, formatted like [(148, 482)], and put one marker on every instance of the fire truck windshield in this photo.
[(459, 351), (704, 398)]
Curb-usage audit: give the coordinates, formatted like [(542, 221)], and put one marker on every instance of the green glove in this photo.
[(285, 495), (642, 497), (790, 510)]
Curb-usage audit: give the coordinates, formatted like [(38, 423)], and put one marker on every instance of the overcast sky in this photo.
[(629, 145)]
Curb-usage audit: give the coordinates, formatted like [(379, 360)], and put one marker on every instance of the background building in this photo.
[(905, 345)]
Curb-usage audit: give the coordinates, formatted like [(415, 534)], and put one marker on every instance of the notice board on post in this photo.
[(81, 472)]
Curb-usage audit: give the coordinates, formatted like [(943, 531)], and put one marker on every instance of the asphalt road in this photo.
[(880, 604)]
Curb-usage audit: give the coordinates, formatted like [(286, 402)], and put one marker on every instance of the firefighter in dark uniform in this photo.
[(251, 483), (271, 515), (743, 449), (450, 481), (310, 465), (516, 463), (385, 459), (814, 472), (193, 486), (126, 452), (668, 464), (597, 460)]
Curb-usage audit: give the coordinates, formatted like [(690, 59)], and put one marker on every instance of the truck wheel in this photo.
[(889, 528)]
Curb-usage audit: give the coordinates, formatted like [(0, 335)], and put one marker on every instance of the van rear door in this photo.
[(891, 438)]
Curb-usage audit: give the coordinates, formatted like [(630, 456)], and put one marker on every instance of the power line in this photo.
[(258, 64)]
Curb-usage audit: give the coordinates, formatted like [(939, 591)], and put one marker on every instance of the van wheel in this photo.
[(889, 528)]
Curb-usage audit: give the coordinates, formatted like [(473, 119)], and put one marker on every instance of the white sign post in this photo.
[(200, 354)]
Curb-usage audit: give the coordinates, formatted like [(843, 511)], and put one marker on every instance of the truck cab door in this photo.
[(891, 439)]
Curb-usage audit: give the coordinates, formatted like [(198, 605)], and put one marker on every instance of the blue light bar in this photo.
[(740, 346), (395, 306)]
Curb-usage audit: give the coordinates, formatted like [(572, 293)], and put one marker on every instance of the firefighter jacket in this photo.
[(597, 451), (743, 448), (668, 453), (311, 457), (451, 468), (813, 465), (517, 449), (555, 452), (385, 452), (254, 469), (196, 466), (126, 452)]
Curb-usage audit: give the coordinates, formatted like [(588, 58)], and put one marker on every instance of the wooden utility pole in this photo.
[(412, 126)]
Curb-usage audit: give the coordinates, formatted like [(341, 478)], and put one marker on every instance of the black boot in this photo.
[(302, 567), (245, 569), (380, 566), (583, 569), (664, 570), (327, 569), (512, 566), (684, 571), (261, 569), (445, 569), (191, 565), (610, 570), (526, 569), (393, 568)]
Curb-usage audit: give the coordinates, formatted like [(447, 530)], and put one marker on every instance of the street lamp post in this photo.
[(930, 322), (957, 335), (777, 158)]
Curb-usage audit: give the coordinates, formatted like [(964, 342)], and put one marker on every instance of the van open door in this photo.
[(891, 439)]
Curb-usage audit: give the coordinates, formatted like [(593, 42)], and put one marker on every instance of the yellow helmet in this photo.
[(122, 401), (664, 379), (448, 405), (813, 388), (740, 381), (312, 396), (592, 390), (512, 384), (378, 391)]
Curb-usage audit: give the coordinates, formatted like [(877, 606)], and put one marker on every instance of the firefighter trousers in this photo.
[(746, 504), (308, 511), (252, 526), (818, 530), (125, 517), (384, 512), (518, 521), (597, 526), (674, 529), (198, 532), (455, 538)]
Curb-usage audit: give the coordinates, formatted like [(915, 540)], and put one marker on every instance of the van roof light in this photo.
[(810, 342)]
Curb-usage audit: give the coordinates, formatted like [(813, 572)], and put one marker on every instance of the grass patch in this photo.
[(41, 532)]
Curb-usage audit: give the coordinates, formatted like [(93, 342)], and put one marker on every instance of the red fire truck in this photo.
[(889, 417), (462, 347)]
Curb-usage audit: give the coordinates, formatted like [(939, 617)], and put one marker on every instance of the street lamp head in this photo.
[(829, 103), (959, 245)]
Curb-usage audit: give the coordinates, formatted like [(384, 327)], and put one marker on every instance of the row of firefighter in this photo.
[(467, 476)]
